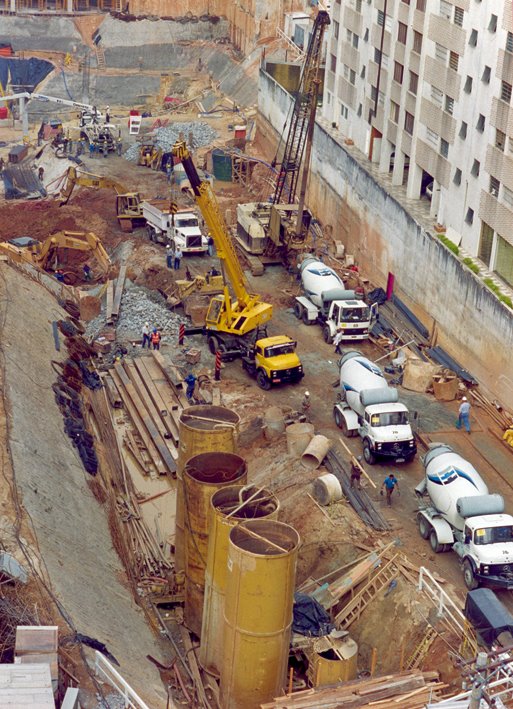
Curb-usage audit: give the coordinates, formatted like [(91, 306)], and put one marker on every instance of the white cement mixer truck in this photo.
[(461, 515), (370, 408), (327, 302)]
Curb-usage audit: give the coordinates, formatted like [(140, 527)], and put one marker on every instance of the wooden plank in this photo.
[(193, 666), (130, 443), (120, 282), (112, 392), (157, 398), (169, 369), (109, 301), (139, 425), (36, 639), (168, 463), (138, 383)]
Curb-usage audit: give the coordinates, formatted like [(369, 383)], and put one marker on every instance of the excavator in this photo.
[(128, 204), (45, 255), (235, 325)]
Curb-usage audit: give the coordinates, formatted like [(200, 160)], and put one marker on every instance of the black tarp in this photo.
[(310, 618), (24, 73), (488, 615)]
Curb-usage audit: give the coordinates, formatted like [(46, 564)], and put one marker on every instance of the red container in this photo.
[(4, 113)]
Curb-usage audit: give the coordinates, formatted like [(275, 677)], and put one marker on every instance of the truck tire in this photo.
[(326, 333), (424, 527), (213, 344), (298, 310), (304, 318), (150, 233), (435, 544), (262, 380), (339, 419), (368, 454), (468, 576)]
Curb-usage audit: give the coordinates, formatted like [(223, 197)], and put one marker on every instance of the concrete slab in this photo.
[(56, 34)]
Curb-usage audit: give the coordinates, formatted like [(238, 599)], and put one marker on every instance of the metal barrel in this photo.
[(202, 428), (262, 556), (228, 507), (203, 475)]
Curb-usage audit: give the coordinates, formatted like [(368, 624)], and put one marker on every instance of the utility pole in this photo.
[(479, 681)]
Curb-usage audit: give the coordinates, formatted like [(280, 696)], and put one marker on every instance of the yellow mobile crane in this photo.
[(233, 325), (128, 204)]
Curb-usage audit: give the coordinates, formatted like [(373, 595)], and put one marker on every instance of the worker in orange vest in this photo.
[(155, 339)]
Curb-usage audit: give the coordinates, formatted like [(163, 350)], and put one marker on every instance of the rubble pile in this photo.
[(165, 138), (138, 305)]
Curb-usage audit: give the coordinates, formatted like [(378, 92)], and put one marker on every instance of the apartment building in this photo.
[(424, 89)]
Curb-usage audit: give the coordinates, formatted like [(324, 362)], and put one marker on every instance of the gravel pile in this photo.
[(138, 306), (202, 133)]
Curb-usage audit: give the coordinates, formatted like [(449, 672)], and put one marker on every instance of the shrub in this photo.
[(506, 300), (491, 285), (450, 245), (470, 263)]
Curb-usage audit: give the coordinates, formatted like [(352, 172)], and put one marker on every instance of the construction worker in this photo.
[(356, 472), (178, 257), (305, 406), (107, 114), (188, 274), (2, 164), (389, 484), (337, 341), (88, 274), (155, 339), (464, 415), (169, 170), (119, 146), (59, 275), (40, 174), (146, 335), (210, 244), (190, 380), (170, 256)]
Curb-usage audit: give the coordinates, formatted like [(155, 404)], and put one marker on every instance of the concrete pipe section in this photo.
[(228, 507), (262, 556), (202, 428), (203, 475)]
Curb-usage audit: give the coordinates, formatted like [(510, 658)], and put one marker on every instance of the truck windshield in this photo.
[(276, 350), (186, 223), (390, 418), (354, 314), (493, 535)]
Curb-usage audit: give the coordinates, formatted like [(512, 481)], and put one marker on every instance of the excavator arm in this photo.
[(86, 179), (76, 240), (247, 312)]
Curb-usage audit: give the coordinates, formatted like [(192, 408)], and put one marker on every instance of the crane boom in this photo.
[(303, 113), (247, 312)]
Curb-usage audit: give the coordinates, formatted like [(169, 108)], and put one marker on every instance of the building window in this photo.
[(432, 137), (473, 38), (417, 42), (458, 16), (358, 5), (366, 35), (463, 130), (374, 93), (402, 33), (414, 83), (384, 60), (487, 72), (444, 148), (394, 112), (408, 123), (362, 73), (504, 260), (469, 217), (507, 196), (493, 23), (509, 42), (495, 186), (437, 95), (381, 98), (476, 166), (336, 26), (398, 72), (445, 9), (454, 60), (360, 109), (356, 40), (486, 244), (506, 91), (480, 125), (449, 105), (457, 176), (381, 18), (344, 112), (421, 5), (500, 140), (333, 62), (348, 35), (468, 85), (406, 2), (349, 75), (377, 55), (441, 52)]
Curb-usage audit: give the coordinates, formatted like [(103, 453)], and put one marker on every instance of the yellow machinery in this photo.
[(150, 156), (207, 284), (128, 204), (45, 255)]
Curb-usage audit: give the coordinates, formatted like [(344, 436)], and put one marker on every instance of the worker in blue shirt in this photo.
[(464, 415), (389, 484), (190, 380)]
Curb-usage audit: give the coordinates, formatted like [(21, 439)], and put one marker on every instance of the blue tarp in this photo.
[(24, 73)]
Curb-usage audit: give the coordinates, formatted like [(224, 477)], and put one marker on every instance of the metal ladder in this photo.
[(353, 610), (100, 56), (415, 659)]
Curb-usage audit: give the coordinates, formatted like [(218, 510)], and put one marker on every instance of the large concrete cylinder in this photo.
[(202, 429), (228, 507), (262, 557), (203, 475)]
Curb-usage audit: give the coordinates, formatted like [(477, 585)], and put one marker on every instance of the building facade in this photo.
[(424, 89)]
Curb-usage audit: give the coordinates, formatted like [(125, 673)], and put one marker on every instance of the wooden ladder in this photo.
[(353, 610), (100, 56), (420, 652)]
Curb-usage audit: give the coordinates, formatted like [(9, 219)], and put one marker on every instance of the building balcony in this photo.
[(346, 92), (504, 69), (437, 120), (499, 165), (497, 215), (432, 162), (502, 116), (444, 78), (353, 20), (445, 33), (507, 16)]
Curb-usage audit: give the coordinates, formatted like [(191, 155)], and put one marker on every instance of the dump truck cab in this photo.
[(273, 360)]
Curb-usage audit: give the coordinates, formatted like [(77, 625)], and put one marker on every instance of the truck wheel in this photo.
[(213, 344), (327, 335), (262, 380), (424, 527), (298, 310), (468, 576), (305, 319), (435, 545), (149, 231), (369, 456), (339, 419)]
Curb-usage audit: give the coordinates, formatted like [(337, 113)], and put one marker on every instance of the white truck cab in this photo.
[(181, 229)]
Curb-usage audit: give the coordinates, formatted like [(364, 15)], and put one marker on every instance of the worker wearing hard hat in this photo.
[(305, 406), (464, 415)]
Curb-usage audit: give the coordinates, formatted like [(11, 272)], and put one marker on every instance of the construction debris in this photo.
[(164, 138)]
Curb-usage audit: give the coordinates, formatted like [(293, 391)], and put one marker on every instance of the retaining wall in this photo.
[(473, 325)]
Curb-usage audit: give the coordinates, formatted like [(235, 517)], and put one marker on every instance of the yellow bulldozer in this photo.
[(47, 255)]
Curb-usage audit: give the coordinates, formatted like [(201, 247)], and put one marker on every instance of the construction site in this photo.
[(241, 468)]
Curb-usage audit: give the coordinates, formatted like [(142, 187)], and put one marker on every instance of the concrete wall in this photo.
[(473, 325)]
